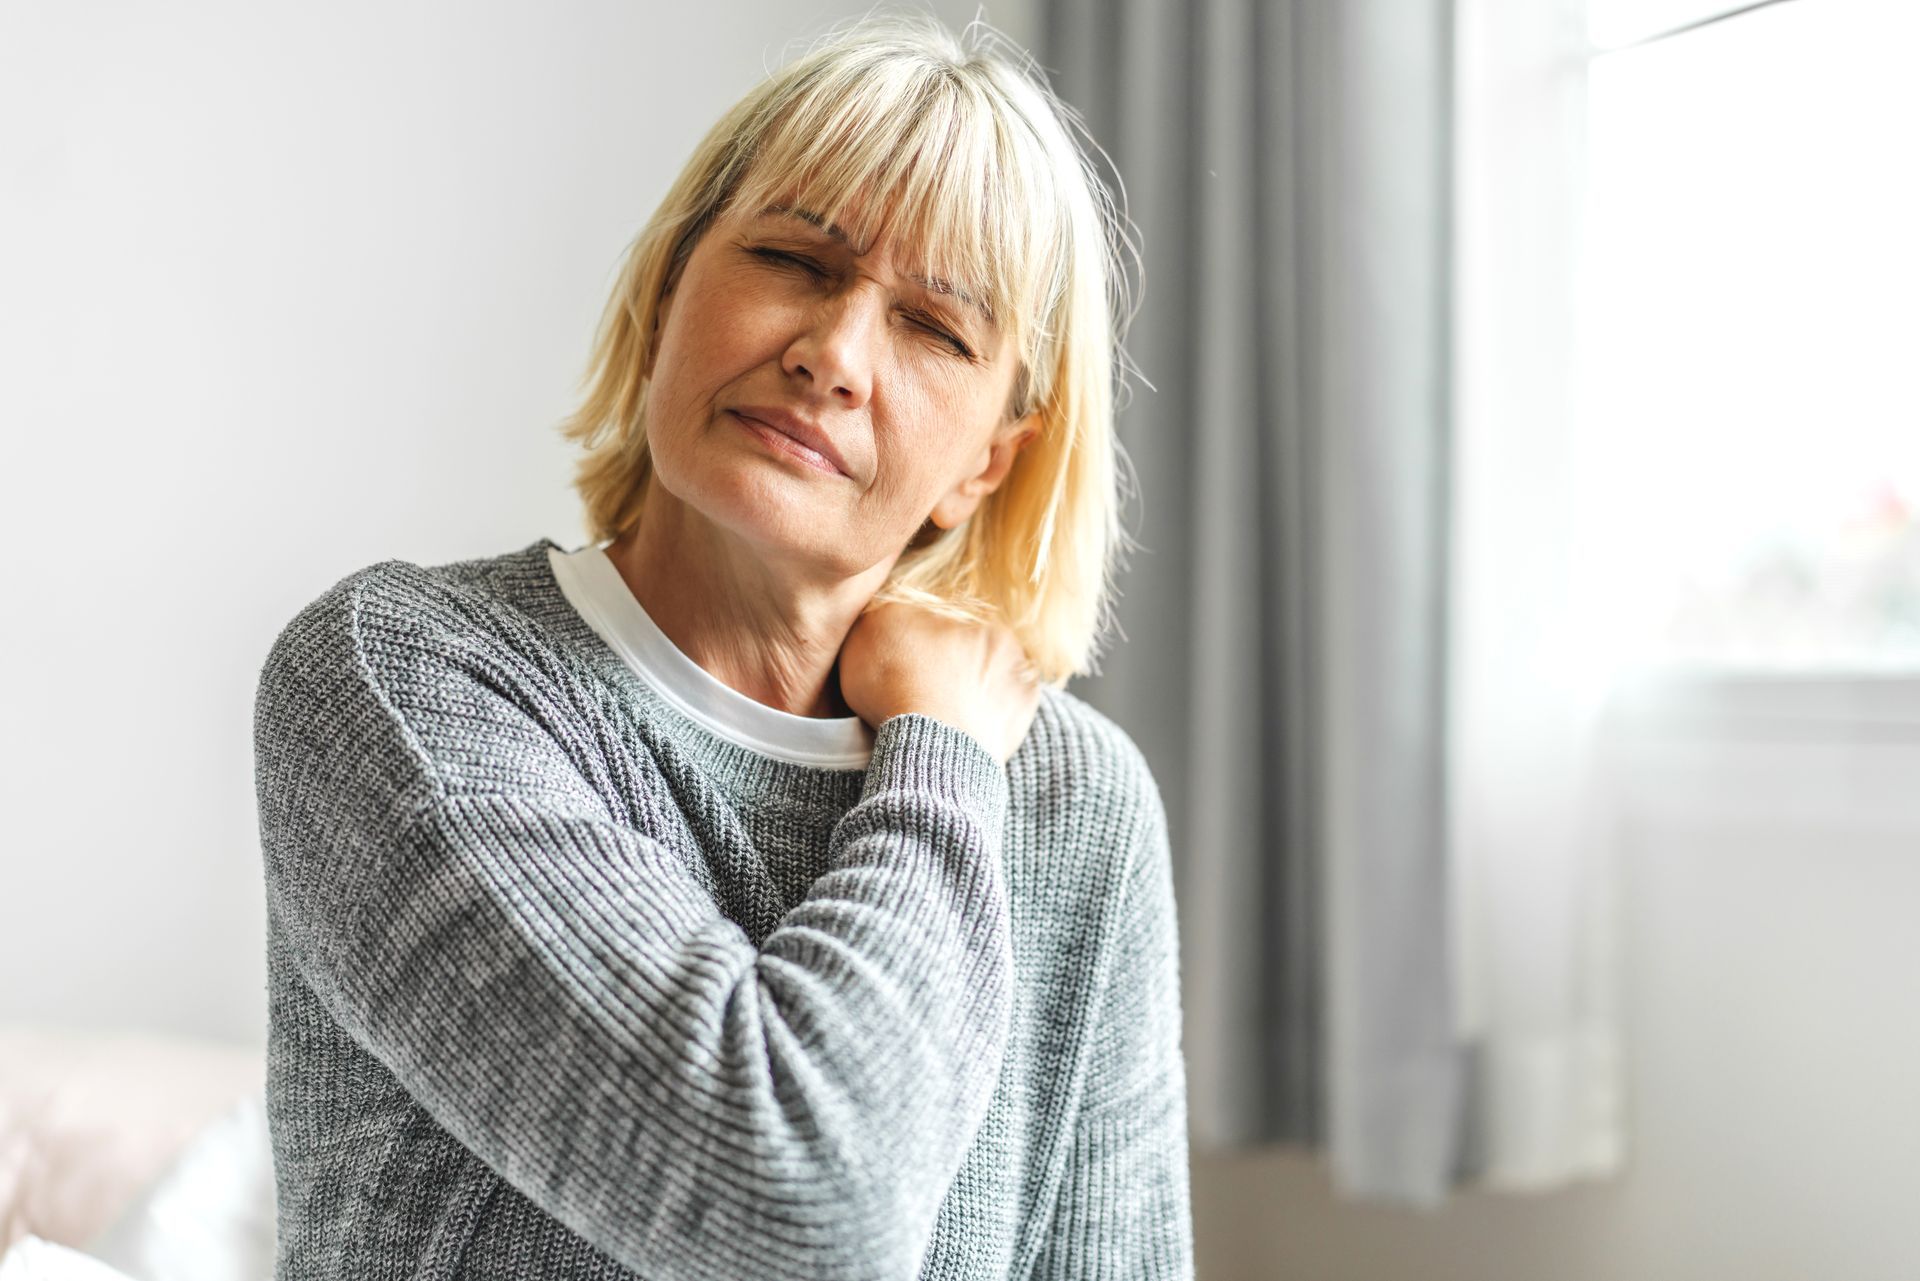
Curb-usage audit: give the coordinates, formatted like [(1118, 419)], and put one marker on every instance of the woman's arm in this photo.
[(1124, 1208), (557, 989)]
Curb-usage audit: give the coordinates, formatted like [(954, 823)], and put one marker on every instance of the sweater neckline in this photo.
[(593, 593)]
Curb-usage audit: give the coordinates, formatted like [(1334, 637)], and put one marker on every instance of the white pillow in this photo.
[(210, 1215)]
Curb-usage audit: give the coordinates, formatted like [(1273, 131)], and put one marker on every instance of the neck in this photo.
[(761, 626)]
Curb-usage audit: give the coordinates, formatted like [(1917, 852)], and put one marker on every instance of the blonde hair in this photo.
[(981, 173)]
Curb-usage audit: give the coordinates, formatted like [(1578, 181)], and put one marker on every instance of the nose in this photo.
[(834, 350)]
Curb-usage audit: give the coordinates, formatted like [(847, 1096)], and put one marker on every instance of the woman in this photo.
[(740, 895)]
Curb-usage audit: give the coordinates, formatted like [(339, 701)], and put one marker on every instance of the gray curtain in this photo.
[(1287, 166)]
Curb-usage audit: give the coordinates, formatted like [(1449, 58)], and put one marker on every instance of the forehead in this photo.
[(792, 212)]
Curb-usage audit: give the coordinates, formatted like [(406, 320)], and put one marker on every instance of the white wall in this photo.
[(1770, 886), (285, 290)]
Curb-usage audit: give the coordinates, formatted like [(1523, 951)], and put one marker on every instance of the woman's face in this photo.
[(907, 382)]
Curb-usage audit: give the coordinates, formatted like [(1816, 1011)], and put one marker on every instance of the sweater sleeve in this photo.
[(1124, 1207), (558, 990)]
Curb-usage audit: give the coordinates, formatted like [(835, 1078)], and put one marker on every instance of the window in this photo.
[(1747, 331)]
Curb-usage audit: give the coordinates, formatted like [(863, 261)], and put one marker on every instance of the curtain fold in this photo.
[(1210, 587), (1395, 1069)]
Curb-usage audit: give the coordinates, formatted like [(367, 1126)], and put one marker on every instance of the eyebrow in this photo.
[(931, 284)]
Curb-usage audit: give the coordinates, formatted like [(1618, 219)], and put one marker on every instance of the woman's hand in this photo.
[(901, 658)]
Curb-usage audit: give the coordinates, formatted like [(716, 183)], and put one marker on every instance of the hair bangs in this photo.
[(925, 157)]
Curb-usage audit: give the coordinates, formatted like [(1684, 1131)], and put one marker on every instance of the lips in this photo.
[(814, 446)]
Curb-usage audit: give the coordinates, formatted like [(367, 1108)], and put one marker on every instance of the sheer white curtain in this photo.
[(1532, 800)]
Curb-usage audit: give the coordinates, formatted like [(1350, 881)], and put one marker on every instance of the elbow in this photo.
[(874, 1199), (888, 1228), (872, 1193)]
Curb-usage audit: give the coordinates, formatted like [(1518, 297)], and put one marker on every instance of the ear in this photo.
[(996, 461)]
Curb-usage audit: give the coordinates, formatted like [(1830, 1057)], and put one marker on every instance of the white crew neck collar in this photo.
[(594, 587)]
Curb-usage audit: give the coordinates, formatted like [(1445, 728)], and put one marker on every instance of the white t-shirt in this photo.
[(593, 586)]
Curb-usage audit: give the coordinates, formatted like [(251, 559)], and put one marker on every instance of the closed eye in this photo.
[(959, 347), (783, 258)]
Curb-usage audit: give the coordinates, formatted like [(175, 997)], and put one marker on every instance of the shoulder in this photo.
[(424, 678), (1077, 756), (342, 650), (325, 643), (411, 643), (382, 613)]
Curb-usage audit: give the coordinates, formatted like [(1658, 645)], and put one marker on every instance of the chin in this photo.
[(782, 515), (773, 520)]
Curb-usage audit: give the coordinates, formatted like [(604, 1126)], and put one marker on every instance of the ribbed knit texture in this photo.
[(562, 984)]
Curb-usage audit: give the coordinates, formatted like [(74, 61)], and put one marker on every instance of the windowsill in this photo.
[(1856, 702), (1823, 753)]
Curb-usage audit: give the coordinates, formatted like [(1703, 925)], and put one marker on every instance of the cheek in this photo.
[(931, 444), (704, 348)]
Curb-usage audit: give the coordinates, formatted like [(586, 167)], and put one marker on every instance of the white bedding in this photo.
[(34, 1259), (210, 1216), (132, 1158)]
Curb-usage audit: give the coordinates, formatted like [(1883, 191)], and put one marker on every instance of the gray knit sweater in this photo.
[(564, 984)]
